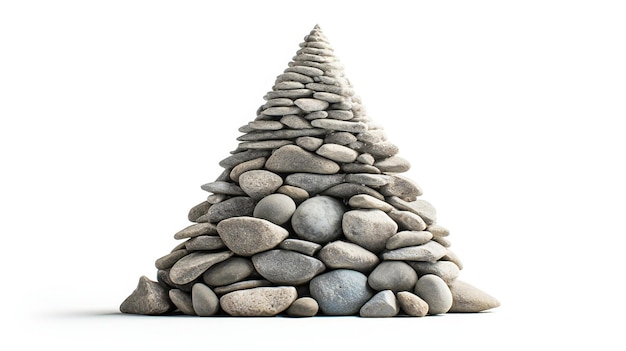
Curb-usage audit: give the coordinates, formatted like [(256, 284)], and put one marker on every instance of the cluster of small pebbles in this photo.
[(311, 217)]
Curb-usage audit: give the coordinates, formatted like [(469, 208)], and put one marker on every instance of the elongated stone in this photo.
[(303, 307), (227, 272), (371, 180), (196, 230), (365, 201), (309, 71), (247, 236), (314, 183), (198, 210), (292, 158), (220, 187), (266, 125), (435, 292), (326, 88), (341, 254), (316, 115), (287, 267), (193, 265), (422, 208), (182, 300), (204, 242), (234, 207), (259, 302), (280, 134), (345, 126), (278, 102), (293, 76), (329, 97), (244, 156), (431, 251), (407, 220), (296, 194), (263, 144), (204, 301), (408, 238), (359, 168), (309, 143), (337, 153), (402, 188), (282, 111), (301, 246), (238, 170), (341, 138), (393, 164), (288, 85), (243, 285), (347, 190), (292, 94), (446, 270), (311, 105), (168, 260), (296, 122), (342, 115)]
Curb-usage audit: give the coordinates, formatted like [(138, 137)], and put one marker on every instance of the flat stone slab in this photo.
[(287, 267), (242, 285), (247, 236), (293, 159), (337, 125), (220, 187), (258, 302), (196, 230)]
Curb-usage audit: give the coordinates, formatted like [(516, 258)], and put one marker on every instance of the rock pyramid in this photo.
[(310, 216)]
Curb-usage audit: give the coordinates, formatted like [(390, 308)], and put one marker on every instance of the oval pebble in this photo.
[(303, 307), (259, 183), (292, 159), (276, 208), (435, 292), (392, 275), (340, 292), (412, 304), (259, 302), (182, 301), (431, 251), (408, 238), (247, 236), (341, 254), (318, 219), (204, 301), (234, 207), (311, 105), (227, 272), (337, 153), (446, 270), (287, 267)]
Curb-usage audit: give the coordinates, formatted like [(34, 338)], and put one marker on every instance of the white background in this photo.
[(113, 114)]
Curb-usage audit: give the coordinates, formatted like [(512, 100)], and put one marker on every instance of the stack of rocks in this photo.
[(311, 216)]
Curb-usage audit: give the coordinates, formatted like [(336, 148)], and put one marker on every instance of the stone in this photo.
[(263, 144), (243, 285), (234, 207), (204, 242), (259, 183), (379, 150), (337, 153), (420, 207), (344, 105), (235, 159), (311, 105), (412, 304), (232, 270), (340, 138), (278, 102), (168, 260), (149, 298), (294, 76), (446, 270), (190, 267), (368, 228), (316, 115), (365, 201), (204, 301), (303, 307), (401, 187), (408, 238), (340, 292), (276, 208), (314, 183), (296, 194), (309, 143), (288, 85), (216, 198), (259, 302), (225, 188), (467, 298), (337, 125), (283, 134), (430, 252), (407, 220), (182, 301), (341, 254), (393, 164), (452, 257), (342, 115), (366, 159), (292, 94), (287, 267), (309, 71), (348, 190), (318, 219), (371, 180), (198, 210), (301, 246), (359, 168), (295, 122), (196, 230), (243, 167), (266, 125), (443, 241), (281, 111), (435, 292), (163, 277), (438, 230), (392, 275), (292, 159), (371, 136), (319, 87), (247, 236), (383, 304)]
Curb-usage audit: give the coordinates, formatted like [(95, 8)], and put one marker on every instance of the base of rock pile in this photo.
[(311, 217)]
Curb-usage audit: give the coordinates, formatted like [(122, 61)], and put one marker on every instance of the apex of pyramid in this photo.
[(310, 215)]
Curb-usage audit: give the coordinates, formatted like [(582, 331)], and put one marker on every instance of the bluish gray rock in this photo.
[(234, 207), (227, 272), (383, 304), (318, 219), (194, 265), (340, 292)]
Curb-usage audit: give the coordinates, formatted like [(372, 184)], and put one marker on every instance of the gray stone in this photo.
[(337, 125), (196, 230), (301, 246), (204, 301), (345, 105), (278, 102), (258, 302), (287, 267), (216, 198), (420, 207), (247, 236), (393, 164), (319, 87), (340, 138), (359, 168), (438, 230), (366, 159), (392, 275), (348, 190), (337, 153), (190, 267), (383, 304), (292, 94), (341, 254), (168, 260), (266, 125), (443, 241), (314, 183), (316, 115), (276, 208), (149, 298), (340, 292), (408, 238), (243, 167), (371, 180), (412, 304), (288, 85), (311, 105), (198, 210), (407, 220), (296, 194), (468, 298), (234, 207), (435, 292), (295, 122), (182, 301), (281, 111), (309, 143), (303, 307), (368, 228), (263, 144), (243, 285), (235, 159), (318, 219), (283, 134), (446, 270), (292, 158), (372, 136), (259, 183), (225, 188), (294, 76), (452, 257), (342, 115), (431, 252), (227, 272), (379, 150), (204, 242), (309, 71), (401, 187), (365, 201)]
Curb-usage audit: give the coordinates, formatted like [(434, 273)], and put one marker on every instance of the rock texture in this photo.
[(310, 216)]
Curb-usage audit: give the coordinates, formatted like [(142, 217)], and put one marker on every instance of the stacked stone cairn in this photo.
[(311, 217)]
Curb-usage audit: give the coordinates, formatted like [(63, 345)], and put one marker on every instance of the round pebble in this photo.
[(318, 219), (259, 183), (276, 208), (340, 292)]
